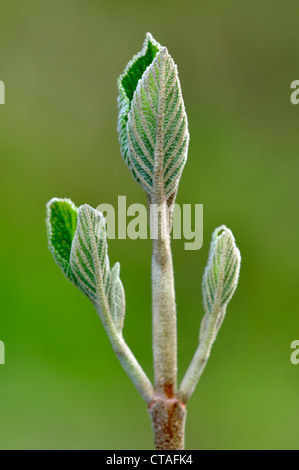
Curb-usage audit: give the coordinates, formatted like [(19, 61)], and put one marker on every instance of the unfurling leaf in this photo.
[(89, 255), (78, 242), (127, 84), (220, 279), (117, 298), (156, 138), (61, 226), (219, 283), (222, 272)]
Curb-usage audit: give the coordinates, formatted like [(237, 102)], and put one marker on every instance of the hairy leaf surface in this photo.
[(78, 242), (127, 84), (89, 254), (117, 298), (61, 224), (222, 272), (157, 128)]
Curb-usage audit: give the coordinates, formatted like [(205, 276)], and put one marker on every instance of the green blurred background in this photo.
[(62, 387)]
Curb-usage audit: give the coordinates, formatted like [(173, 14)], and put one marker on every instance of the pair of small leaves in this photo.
[(218, 286), (78, 242), (152, 122), (220, 281)]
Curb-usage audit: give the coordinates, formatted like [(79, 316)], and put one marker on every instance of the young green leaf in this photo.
[(219, 283), (78, 242), (61, 224), (117, 298), (127, 84), (77, 239), (222, 272), (158, 129), (152, 121), (89, 254)]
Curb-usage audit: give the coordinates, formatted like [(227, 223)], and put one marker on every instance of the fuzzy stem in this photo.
[(168, 421), (164, 311), (199, 360), (125, 355)]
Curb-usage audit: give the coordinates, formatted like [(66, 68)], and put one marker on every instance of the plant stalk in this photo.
[(166, 411), (200, 357), (168, 420), (164, 311), (125, 355)]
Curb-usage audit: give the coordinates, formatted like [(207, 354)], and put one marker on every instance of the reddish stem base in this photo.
[(168, 420)]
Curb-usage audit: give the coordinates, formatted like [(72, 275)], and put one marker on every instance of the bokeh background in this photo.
[(62, 387)]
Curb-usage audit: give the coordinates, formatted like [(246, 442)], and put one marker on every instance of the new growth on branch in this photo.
[(154, 138)]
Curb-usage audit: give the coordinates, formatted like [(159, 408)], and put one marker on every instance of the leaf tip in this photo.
[(149, 36)]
